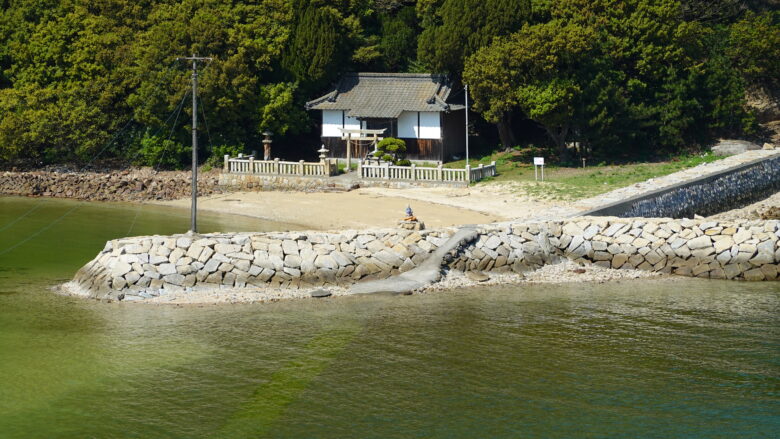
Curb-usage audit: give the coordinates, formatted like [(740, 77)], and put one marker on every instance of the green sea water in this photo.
[(679, 358)]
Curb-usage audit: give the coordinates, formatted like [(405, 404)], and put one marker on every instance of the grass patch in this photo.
[(564, 183)]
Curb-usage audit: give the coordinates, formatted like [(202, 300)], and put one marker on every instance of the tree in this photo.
[(455, 29), (535, 70)]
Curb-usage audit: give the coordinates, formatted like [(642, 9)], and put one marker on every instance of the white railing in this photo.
[(414, 173), (248, 165)]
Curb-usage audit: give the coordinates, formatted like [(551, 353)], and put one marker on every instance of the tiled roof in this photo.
[(386, 95)]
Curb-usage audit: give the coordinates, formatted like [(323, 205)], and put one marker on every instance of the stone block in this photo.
[(602, 256), (205, 254), (325, 261), (700, 242), (619, 260), (742, 235), (229, 279), (120, 269), (183, 242), (754, 275), (770, 271), (732, 271), (175, 279), (227, 248), (166, 269), (225, 267), (175, 255), (242, 264)]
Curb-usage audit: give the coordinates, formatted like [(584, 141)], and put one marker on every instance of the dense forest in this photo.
[(86, 78)]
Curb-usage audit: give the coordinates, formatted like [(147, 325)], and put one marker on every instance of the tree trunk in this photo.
[(505, 133), (558, 136)]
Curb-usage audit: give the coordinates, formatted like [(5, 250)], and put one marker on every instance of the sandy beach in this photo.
[(372, 207)]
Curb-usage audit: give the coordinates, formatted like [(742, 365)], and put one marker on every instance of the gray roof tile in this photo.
[(386, 95)]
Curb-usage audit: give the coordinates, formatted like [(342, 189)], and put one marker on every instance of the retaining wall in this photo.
[(131, 185), (149, 266), (718, 192), (312, 184)]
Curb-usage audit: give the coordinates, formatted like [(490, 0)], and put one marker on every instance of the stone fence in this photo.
[(416, 173), (248, 165), (149, 266)]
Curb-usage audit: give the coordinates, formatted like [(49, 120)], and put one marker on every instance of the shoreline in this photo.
[(564, 272)]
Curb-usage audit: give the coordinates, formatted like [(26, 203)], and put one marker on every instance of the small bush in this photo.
[(162, 153), (218, 152), (392, 150)]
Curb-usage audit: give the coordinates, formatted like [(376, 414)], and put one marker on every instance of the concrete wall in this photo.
[(725, 190), (149, 266)]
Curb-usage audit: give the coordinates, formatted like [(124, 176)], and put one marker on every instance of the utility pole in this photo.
[(467, 124), (194, 211)]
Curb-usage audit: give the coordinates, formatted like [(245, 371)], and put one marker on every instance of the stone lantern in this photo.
[(323, 153), (267, 144)]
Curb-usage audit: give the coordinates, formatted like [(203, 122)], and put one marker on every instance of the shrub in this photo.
[(218, 153), (158, 152), (392, 150)]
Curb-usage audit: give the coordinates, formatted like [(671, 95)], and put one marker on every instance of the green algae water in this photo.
[(645, 359)]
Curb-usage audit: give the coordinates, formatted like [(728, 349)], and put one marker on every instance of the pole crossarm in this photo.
[(195, 59)]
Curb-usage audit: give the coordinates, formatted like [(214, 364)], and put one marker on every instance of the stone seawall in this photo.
[(143, 267), (131, 185), (724, 190), (318, 184)]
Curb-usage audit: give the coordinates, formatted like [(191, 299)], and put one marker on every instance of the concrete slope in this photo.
[(425, 274)]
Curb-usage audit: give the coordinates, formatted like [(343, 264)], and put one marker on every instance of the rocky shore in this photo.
[(149, 267), (129, 185)]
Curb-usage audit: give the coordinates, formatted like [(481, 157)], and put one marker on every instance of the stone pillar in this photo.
[(251, 164), (468, 173), (300, 167), (439, 173), (227, 164), (414, 171), (276, 166), (267, 145), (386, 168)]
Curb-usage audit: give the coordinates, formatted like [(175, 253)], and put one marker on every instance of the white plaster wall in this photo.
[(331, 122), (430, 125), (351, 123), (407, 125)]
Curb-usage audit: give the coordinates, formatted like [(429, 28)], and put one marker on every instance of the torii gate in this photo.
[(349, 135)]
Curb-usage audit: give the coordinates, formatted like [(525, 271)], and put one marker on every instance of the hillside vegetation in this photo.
[(629, 78)]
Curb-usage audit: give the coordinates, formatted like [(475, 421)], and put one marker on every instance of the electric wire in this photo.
[(105, 147), (33, 209)]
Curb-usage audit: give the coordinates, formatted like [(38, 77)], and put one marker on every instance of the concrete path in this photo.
[(425, 274)]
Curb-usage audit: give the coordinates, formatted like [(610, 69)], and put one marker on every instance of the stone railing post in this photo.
[(414, 171), (227, 164), (468, 173), (439, 173), (251, 164), (300, 167), (360, 168), (276, 166), (495, 170), (386, 170)]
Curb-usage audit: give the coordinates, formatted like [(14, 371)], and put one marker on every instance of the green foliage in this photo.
[(218, 153), (454, 29), (755, 45), (160, 153), (624, 78), (392, 150)]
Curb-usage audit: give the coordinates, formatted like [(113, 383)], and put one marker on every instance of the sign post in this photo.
[(538, 161)]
